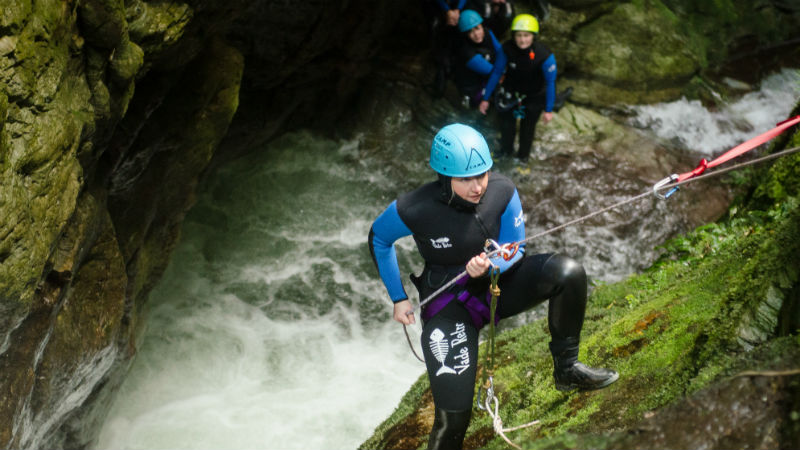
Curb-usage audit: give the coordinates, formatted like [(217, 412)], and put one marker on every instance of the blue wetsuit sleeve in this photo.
[(550, 72), (479, 65), (497, 69), (512, 229), (386, 229), (446, 6)]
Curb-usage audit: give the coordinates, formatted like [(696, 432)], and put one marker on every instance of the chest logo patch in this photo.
[(442, 242)]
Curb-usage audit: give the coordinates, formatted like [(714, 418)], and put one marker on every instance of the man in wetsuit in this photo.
[(450, 220)]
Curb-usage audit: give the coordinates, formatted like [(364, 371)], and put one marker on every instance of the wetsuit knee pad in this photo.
[(564, 271), (568, 306)]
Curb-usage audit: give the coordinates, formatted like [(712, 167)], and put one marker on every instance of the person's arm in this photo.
[(445, 6), (550, 72), (386, 229), (512, 229), (498, 67)]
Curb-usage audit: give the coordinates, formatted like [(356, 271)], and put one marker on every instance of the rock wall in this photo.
[(110, 113)]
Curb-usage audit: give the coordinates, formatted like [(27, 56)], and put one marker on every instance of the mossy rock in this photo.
[(635, 54)]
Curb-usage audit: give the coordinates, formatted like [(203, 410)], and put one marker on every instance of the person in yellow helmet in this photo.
[(529, 87)]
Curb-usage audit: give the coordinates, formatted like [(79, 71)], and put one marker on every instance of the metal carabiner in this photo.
[(489, 394), (670, 179), (491, 247)]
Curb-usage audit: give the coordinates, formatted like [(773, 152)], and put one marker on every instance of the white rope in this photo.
[(497, 422)]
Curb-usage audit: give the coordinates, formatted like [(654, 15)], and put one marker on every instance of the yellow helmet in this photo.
[(525, 22)]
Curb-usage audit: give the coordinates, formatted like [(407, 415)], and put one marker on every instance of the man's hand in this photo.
[(478, 265), (452, 16), (404, 312), (547, 117), (484, 107)]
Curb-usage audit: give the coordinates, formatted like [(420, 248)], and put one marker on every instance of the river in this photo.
[(270, 328)]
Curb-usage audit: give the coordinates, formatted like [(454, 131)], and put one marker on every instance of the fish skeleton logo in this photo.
[(475, 159), (440, 348), (442, 242)]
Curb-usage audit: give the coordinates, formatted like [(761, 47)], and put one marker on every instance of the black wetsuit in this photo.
[(448, 232), (479, 67), (530, 73)]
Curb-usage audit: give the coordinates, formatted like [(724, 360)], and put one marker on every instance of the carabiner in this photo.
[(489, 394), (670, 179), (509, 250)]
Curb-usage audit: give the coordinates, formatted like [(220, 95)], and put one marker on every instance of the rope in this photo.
[(649, 192), (768, 373), (487, 381), (408, 338), (497, 422)]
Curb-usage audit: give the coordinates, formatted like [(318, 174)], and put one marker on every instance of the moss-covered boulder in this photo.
[(647, 51)]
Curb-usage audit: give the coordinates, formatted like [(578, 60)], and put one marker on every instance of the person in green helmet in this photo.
[(529, 86), (450, 220)]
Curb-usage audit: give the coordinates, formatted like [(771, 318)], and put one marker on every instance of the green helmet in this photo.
[(525, 22)]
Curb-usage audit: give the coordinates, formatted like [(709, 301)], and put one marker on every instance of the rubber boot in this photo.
[(569, 373), (449, 428)]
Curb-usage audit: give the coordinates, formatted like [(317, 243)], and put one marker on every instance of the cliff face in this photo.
[(112, 110)]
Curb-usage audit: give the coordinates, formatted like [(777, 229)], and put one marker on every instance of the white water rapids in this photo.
[(271, 330)]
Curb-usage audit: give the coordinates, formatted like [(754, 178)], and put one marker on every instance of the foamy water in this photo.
[(270, 328), (690, 125)]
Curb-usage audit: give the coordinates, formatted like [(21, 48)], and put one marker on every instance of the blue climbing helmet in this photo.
[(468, 19), (460, 151)]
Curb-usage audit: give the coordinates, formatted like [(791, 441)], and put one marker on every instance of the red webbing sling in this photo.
[(739, 149)]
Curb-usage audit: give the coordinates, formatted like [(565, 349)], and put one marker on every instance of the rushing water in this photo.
[(271, 329), (690, 125)]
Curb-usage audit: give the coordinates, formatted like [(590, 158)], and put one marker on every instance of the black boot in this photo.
[(570, 373), (449, 428)]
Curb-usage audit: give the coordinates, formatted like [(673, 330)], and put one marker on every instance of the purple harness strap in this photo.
[(478, 309)]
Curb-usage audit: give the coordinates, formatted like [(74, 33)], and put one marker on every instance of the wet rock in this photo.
[(743, 412)]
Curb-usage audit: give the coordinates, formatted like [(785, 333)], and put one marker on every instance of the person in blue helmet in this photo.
[(529, 86), (450, 220), (479, 62)]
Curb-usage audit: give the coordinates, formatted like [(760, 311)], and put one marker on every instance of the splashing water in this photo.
[(270, 328), (690, 125)]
